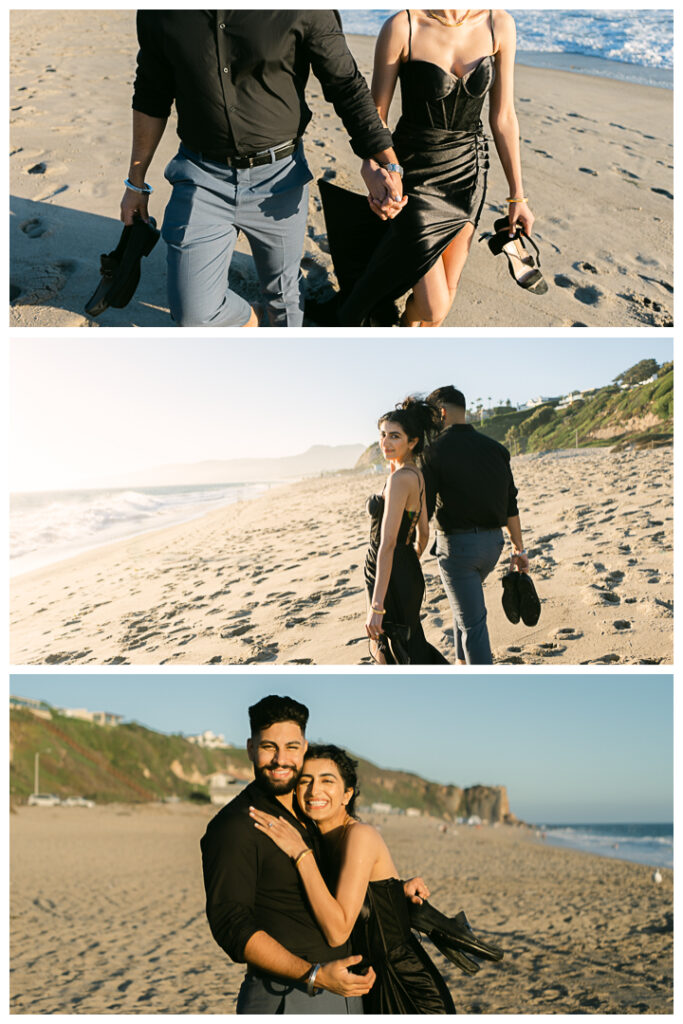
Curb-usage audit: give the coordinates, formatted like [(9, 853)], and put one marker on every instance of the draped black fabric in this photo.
[(407, 980), (403, 600), (440, 143)]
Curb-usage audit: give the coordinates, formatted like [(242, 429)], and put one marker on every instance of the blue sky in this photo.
[(85, 410), (579, 748)]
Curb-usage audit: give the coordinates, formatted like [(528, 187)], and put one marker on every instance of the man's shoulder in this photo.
[(232, 818)]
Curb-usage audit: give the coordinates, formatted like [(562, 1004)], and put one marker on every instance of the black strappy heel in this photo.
[(523, 266)]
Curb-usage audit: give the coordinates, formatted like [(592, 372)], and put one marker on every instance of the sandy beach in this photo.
[(107, 916), (597, 156), (280, 579)]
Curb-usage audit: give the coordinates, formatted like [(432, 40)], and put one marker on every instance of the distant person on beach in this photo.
[(238, 81), (254, 899), (469, 485), (399, 533), (447, 62)]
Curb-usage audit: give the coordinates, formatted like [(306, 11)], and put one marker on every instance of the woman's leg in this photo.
[(433, 295)]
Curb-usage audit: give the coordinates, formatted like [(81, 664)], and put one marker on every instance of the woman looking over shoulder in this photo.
[(447, 62), (399, 533), (360, 863)]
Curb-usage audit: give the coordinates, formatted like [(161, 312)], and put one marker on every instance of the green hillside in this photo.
[(132, 764), (609, 416)]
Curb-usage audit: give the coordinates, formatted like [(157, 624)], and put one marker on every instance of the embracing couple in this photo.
[(238, 80), (439, 466), (309, 897)]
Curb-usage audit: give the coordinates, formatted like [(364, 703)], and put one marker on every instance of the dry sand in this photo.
[(279, 579), (107, 915), (597, 155)]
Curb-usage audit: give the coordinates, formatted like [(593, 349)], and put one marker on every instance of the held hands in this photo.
[(385, 190), (520, 216), (416, 890), (335, 976), (283, 834)]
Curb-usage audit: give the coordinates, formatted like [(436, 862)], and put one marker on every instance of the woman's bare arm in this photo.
[(503, 118), (391, 48)]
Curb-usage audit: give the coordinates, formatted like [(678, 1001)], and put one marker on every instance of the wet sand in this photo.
[(280, 579), (107, 916), (597, 157)]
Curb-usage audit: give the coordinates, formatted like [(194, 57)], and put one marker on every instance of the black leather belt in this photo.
[(470, 529), (264, 156)]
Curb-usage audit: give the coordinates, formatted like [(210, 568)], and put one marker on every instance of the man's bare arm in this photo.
[(147, 133), (266, 953)]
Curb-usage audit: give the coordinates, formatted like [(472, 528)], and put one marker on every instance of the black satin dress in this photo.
[(403, 600), (407, 980), (440, 142)]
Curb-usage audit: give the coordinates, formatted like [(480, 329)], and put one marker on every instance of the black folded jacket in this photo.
[(120, 269)]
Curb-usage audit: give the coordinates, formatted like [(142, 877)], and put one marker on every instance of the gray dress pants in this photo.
[(262, 994), (211, 203), (465, 560)]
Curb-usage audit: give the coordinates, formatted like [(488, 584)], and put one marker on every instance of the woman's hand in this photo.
[(519, 215), (373, 625), (283, 834), (416, 890)]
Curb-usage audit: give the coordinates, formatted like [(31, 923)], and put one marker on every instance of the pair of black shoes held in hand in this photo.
[(520, 600), (453, 937), (120, 269)]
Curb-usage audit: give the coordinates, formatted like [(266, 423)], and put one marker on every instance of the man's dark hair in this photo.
[(272, 709), (447, 396)]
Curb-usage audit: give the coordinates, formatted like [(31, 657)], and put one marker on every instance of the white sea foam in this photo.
[(640, 37)]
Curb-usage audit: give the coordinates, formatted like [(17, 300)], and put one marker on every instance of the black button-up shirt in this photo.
[(251, 885), (468, 479), (238, 78)]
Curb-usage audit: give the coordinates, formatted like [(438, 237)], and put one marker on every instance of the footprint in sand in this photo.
[(589, 295), (38, 168), (48, 282), (647, 310), (588, 170), (662, 192), (34, 228)]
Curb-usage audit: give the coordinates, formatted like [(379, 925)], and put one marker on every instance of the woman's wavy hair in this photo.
[(345, 763), (418, 417)]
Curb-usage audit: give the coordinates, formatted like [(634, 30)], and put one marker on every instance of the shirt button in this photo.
[(226, 70), (222, 25)]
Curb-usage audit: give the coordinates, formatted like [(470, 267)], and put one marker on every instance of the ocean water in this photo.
[(47, 526), (630, 45), (644, 844)]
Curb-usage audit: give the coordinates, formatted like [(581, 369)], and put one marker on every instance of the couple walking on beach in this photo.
[(238, 80), (464, 479), (309, 898)]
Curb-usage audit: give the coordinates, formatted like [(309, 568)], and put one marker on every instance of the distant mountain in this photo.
[(133, 764), (318, 459)]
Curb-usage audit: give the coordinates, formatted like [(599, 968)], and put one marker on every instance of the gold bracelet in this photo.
[(302, 855), (380, 611), (524, 199)]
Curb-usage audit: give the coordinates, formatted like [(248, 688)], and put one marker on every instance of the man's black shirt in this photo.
[(238, 77), (251, 885), (468, 478)]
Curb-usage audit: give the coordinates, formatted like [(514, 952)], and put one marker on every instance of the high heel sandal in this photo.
[(523, 266)]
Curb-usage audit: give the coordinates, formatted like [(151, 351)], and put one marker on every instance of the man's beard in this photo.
[(273, 788)]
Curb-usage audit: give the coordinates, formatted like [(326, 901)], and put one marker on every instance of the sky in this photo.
[(570, 748), (86, 411)]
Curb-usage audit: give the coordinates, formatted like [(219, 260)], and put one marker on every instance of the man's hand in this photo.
[(416, 890), (132, 203), (519, 562), (385, 190), (336, 977)]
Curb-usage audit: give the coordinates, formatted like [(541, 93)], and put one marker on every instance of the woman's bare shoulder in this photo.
[(503, 27), (364, 837), (395, 30)]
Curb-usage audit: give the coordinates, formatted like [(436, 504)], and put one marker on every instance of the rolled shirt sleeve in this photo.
[(343, 85), (230, 864), (154, 89)]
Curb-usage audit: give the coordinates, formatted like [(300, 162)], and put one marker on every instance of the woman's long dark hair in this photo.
[(345, 763), (417, 417)]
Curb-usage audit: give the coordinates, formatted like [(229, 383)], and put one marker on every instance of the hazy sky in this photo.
[(570, 748), (86, 410)]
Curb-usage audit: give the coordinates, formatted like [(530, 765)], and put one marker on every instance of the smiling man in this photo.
[(254, 900)]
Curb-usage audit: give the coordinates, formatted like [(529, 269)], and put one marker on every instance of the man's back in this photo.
[(468, 480)]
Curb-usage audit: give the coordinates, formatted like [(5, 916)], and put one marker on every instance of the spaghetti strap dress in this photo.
[(440, 142), (403, 641), (407, 980)]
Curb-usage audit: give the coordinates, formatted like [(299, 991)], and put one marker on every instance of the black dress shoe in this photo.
[(120, 269), (511, 601), (529, 604)]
